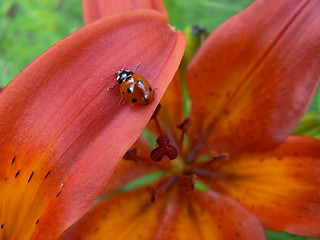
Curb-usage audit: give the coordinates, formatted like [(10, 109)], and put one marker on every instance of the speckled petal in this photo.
[(282, 187), (63, 133), (254, 77)]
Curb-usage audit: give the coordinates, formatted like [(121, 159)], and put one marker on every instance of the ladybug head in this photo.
[(123, 75)]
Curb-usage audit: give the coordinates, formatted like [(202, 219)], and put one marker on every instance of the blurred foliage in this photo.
[(27, 28), (205, 13), (309, 125), (285, 236)]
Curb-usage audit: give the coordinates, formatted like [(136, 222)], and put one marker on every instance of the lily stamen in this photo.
[(184, 126), (162, 187)]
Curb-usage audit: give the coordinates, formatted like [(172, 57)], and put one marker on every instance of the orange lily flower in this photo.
[(249, 83), (62, 133)]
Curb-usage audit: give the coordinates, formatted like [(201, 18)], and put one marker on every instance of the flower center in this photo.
[(170, 154)]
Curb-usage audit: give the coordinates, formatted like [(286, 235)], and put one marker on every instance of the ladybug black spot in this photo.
[(134, 100), (129, 90), (140, 81)]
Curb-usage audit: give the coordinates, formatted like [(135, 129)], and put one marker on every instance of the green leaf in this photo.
[(271, 235), (309, 125)]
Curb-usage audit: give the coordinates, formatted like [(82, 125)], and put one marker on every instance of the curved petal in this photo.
[(120, 217), (282, 184), (201, 216), (62, 132), (96, 9), (254, 77)]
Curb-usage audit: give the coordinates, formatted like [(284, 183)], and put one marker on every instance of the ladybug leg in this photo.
[(113, 86), (135, 70), (121, 102)]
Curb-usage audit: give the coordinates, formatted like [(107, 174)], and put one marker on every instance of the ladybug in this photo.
[(134, 88)]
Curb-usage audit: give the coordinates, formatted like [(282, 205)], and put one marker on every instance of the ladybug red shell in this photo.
[(134, 88)]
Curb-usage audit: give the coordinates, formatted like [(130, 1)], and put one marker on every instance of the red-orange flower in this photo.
[(250, 83), (62, 133)]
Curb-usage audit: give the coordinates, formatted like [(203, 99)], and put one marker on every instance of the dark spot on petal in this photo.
[(59, 193), (2, 226), (31, 175), (13, 160), (226, 112), (47, 174), (37, 221), (150, 89), (17, 173), (134, 100)]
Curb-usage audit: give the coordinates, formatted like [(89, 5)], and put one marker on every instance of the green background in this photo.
[(27, 28)]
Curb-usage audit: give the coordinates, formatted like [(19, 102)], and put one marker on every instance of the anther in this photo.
[(156, 111), (131, 155), (184, 126), (215, 161), (188, 183), (198, 31), (154, 193), (164, 149)]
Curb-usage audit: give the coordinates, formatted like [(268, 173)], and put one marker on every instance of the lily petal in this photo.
[(169, 114), (96, 9), (254, 77), (282, 184), (202, 216), (62, 133)]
